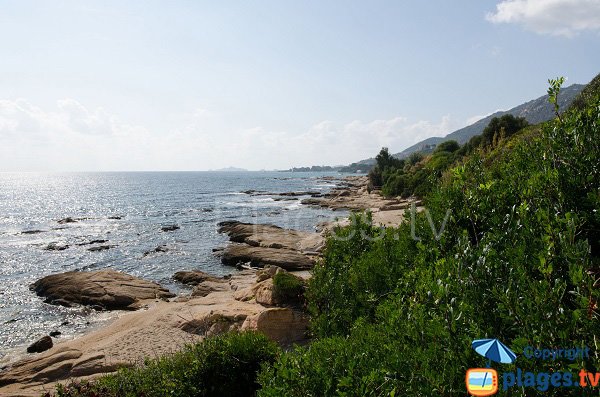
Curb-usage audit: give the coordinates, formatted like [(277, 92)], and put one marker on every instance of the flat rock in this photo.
[(107, 289), (271, 236), (195, 277), (98, 241), (100, 248), (236, 254), (208, 287), (32, 231), (58, 364)]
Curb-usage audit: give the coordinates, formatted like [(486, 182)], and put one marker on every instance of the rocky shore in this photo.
[(160, 322)]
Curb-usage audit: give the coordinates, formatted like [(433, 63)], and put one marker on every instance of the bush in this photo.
[(288, 288), (219, 366)]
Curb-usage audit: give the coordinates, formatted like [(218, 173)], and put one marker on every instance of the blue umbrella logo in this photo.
[(494, 350)]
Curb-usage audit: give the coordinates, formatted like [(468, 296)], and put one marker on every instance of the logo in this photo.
[(482, 381), (485, 381)]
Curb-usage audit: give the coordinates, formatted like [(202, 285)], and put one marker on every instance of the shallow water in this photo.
[(128, 210)]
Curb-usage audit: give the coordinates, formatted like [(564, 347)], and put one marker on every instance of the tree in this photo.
[(502, 127), (448, 146), (385, 160)]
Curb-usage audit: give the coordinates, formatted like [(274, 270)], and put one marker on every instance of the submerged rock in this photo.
[(41, 345), (99, 241), (66, 220), (100, 248), (104, 289), (56, 247), (160, 249)]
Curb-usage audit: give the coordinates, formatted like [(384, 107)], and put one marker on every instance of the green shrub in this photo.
[(288, 288), (219, 366)]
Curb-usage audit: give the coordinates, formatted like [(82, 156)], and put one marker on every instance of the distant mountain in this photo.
[(231, 169), (535, 111)]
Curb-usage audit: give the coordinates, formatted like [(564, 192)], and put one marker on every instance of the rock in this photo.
[(66, 220), (58, 364), (99, 241), (55, 333), (262, 292), (195, 277), (208, 287), (56, 247), (236, 254), (159, 249), (41, 345), (296, 194), (107, 289), (268, 236), (100, 248), (214, 324), (268, 272), (169, 228), (313, 201), (282, 325), (204, 282)]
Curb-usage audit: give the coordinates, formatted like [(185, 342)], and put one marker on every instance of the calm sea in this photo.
[(128, 210)]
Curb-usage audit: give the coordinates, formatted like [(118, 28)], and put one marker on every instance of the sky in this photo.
[(198, 85)]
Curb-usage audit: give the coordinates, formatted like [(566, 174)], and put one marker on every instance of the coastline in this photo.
[(163, 327)]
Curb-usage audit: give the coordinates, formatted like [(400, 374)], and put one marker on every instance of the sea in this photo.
[(125, 212)]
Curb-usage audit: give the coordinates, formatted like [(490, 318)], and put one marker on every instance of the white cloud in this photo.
[(72, 137), (555, 17)]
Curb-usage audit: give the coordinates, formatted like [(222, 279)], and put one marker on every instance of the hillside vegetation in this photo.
[(394, 311), (420, 173)]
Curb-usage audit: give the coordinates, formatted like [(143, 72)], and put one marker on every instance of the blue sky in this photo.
[(195, 85)]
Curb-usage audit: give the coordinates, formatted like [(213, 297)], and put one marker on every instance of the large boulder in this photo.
[(104, 289), (283, 325), (41, 345)]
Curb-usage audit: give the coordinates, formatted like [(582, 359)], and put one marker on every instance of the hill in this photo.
[(535, 112)]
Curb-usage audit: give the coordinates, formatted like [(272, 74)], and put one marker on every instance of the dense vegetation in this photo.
[(394, 311), (419, 173), (518, 260)]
